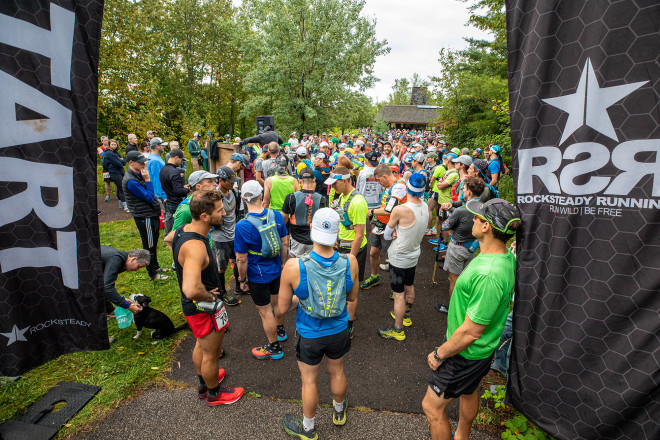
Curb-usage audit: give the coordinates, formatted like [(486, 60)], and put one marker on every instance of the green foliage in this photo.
[(127, 367), (308, 58), (497, 396), (473, 86), (506, 189), (380, 126), (522, 429)]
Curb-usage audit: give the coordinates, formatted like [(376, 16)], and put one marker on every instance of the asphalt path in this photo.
[(387, 379)]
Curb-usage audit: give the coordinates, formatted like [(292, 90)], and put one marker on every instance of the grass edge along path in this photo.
[(125, 370)]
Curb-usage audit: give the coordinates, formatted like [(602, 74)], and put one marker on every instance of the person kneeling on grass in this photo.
[(321, 319)]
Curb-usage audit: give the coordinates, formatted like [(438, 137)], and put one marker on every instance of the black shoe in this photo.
[(442, 308), (230, 299)]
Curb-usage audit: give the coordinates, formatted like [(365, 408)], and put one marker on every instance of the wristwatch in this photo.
[(240, 281), (436, 357)]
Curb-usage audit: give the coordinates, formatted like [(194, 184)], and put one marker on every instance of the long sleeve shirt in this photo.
[(114, 263), (154, 165), (146, 194)]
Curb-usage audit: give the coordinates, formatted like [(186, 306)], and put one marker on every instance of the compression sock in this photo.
[(350, 325), (308, 424), (280, 328), (201, 380), (275, 346), (339, 406), (214, 391)]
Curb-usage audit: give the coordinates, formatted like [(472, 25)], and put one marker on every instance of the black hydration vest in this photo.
[(138, 207)]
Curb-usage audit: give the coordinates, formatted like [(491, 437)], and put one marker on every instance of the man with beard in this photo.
[(204, 311)]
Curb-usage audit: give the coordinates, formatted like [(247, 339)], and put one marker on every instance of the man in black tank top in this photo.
[(203, 309)]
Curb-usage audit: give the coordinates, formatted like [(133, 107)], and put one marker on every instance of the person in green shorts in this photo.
[(352, 209), (478, 310)]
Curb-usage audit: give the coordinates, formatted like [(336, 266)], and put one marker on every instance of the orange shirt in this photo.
[(396, 190)]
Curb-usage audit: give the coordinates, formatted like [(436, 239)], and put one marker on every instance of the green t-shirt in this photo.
[(437, 173), (483, 292), (182, 214), (357, 214), (450, 177)]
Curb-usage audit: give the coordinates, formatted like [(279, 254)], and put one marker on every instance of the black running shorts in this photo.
[(401, 277), (261, 292), (458, 376), (311, 351)]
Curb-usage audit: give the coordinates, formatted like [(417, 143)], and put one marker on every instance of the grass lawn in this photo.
[(124, 370)]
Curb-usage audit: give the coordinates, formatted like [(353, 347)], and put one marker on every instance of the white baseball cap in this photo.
[(323, 144), (325, 227), (251, 189), (301, 151)]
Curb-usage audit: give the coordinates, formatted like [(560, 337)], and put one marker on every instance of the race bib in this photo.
[(106, 175), (221, 318)]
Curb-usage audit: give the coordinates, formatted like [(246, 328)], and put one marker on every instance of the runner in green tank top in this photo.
[(277, 187)]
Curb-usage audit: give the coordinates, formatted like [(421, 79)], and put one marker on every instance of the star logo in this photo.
[(15, 334), (588, 105)]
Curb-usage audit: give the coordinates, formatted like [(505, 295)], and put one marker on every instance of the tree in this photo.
[(307, 57)]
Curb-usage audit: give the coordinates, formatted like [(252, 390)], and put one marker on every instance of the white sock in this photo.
[(308, 424), (339, 406)]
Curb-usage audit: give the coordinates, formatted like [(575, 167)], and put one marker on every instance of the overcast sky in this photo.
[(415, 30)]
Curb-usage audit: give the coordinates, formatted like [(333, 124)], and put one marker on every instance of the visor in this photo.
[(335, 177)]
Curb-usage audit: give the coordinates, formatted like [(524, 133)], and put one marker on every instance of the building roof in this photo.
[(409, 114)]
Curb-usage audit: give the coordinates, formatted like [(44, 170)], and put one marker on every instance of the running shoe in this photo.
[(370, 282), (266, 352), (281, 335), (392, 333), (431, 231), (202, 389), (230, 300), (407, 322), (339, 417), (293, 425), (385, 266), (107, 199), (441, 248), (442, 308), (350, 332), (225, 396), (434, 241)]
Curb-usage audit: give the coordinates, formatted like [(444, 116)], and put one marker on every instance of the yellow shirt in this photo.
[(357, 214)]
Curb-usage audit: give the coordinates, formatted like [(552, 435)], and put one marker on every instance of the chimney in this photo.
[(418, 96)]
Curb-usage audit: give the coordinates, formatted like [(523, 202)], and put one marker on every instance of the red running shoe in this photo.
[(225, 396), (202, 389)]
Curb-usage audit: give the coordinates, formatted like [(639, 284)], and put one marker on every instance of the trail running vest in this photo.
[(326, 287), (306, 206), (270, 237)]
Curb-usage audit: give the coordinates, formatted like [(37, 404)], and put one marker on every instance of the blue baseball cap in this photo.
[(241, 158), (496, 148), (450, 156)]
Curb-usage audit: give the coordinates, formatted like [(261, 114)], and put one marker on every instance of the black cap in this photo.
[(177, 153), (372, 157), (226, 173), (136, 156), (306, 173), (498, 212)]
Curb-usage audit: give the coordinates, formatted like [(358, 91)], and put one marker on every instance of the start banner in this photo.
[(51, 299), (584, 89)]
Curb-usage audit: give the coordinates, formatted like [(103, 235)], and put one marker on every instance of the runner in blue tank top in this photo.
[(318, 286)]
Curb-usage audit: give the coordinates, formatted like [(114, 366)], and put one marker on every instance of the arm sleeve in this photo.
[(146, 194), (110, 272)]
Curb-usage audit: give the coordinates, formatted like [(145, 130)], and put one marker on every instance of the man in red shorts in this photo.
[(198, 279)]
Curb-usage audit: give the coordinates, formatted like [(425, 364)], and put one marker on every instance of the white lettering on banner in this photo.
[(56, 44), (64, 256), (623, 157), (37, 176), (12, 92)]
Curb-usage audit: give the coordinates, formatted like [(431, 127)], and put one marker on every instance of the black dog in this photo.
[(151, 318)]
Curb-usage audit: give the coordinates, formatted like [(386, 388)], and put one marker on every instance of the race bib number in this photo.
[(106, 175), (221, 318)]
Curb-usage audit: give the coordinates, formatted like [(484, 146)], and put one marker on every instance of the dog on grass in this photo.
[(154, 319)]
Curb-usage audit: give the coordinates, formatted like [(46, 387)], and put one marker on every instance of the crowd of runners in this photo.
[(297, 221)]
